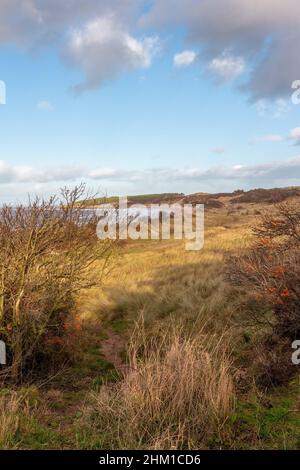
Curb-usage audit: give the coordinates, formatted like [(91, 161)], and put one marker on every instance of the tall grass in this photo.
[(17, 414), (178, 391)]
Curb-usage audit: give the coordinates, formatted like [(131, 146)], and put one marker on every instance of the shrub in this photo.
[(47, 249), (270, 271)]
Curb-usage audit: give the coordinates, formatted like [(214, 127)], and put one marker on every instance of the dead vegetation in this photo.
[(47, 249), (177, 392), (195, 373), (270, 272)]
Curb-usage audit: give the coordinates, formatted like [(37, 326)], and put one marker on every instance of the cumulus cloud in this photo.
[(32, 23), (104, 49), (185, 58), (227, 67), (230, 34), (295, 135), (275, 109), (29, 174), (91, 34), (265, 33)]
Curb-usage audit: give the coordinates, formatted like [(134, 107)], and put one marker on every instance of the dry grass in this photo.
[(164, 281), (9, 419), (180, 389), (177, 393), (17, 409)]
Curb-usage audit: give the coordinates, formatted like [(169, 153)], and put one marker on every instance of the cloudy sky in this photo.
[(136, 96)]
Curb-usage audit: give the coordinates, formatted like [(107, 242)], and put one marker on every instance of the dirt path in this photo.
[(113, 348), (66, 396)]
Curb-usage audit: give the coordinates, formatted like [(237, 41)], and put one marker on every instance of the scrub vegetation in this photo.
[(143, 345)]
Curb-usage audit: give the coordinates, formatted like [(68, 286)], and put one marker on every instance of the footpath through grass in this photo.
[(161, 282)]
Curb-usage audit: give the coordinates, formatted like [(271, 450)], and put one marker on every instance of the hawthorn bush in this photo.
[(47, 251), (270, 271)]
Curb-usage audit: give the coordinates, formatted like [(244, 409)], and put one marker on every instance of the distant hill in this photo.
[(138, 199), (213, 201), (267, 195)]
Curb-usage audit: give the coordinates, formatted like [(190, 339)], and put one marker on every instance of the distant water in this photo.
[(131, 212)]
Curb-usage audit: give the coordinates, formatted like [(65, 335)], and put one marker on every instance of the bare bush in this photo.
[(47, 249), (270, 271), (178, 391), (271, 268)]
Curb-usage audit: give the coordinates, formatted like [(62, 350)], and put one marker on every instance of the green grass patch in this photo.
[(266, 422)]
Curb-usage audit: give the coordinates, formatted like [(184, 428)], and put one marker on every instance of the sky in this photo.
[(147, 96)]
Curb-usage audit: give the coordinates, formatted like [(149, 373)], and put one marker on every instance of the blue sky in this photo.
[(134, 103)]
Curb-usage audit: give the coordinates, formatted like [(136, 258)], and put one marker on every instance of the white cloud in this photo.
[(102, 173), (265, 33), (104, 49), (272, 138), (295, 135), (90, 34), (262, 34), (281, 108), (255, 175), (227, 67), (185, 58), (45, 106), (269, 138), (275, 109), (29, 174), (30, 23)]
